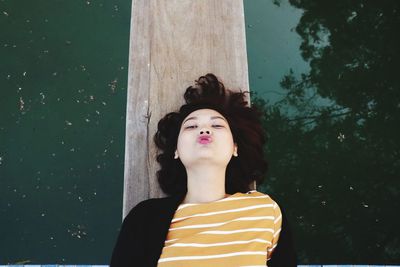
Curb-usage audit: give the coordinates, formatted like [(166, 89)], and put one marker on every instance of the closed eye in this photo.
[(191, 127), (195, 126)]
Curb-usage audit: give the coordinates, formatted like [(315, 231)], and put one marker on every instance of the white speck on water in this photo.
[(5, 13), (365, 205), (352, 16), (68, 123), (1, 160), (98, 112), (113, 84), (43, 97), (8, 76), (54, 73), (43, 214), (79, 232), (72, 150), (341, 137), (116, 8), (87, 120), (77, 101), (104, 103), (53, 154), (80, 199), (24, 74), (91, 97), (351, 188), (21, 103), (98, 166)]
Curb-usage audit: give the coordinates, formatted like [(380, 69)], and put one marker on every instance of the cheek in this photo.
[(182, 141), (228, 137)]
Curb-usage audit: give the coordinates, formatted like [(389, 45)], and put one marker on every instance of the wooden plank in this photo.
[(172, 43), (138, 110)]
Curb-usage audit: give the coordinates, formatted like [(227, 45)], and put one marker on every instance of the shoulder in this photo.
[(263, 198), (153, 206)]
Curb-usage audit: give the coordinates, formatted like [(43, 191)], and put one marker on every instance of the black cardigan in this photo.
[(145, 228)]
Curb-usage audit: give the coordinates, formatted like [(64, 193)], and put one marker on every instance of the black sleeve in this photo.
[(129, 245), (284, 254)]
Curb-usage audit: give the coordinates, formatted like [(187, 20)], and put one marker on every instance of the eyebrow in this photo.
[(213, 117)]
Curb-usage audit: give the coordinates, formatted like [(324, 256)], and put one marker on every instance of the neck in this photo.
[(205, 184)]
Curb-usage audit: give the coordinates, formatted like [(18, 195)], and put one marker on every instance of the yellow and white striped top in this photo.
[(239, 230)]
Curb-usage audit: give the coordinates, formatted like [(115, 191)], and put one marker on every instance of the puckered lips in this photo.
[(204, 139)]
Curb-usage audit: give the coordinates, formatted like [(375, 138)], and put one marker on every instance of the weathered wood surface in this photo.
[(172, 43)]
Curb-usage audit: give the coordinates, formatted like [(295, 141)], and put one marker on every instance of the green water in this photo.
[(334, 123), (324, 73), (63, 79)]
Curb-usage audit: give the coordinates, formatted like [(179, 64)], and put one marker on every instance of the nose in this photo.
[(205, 132)]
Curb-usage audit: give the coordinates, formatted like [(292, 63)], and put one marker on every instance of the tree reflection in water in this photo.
[(334, 147)]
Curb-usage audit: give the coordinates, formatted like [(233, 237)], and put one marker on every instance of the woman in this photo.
[(211, 151)]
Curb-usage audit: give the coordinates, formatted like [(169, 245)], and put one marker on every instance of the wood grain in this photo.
[(172, 43)]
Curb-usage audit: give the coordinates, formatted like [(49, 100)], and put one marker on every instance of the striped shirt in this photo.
[(239, 230)]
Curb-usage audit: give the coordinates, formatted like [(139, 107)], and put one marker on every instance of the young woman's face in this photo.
[(205, 136)]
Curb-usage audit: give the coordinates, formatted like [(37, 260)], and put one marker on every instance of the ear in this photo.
[(235, 149)]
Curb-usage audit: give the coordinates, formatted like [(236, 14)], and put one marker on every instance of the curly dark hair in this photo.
[(246, 128)]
